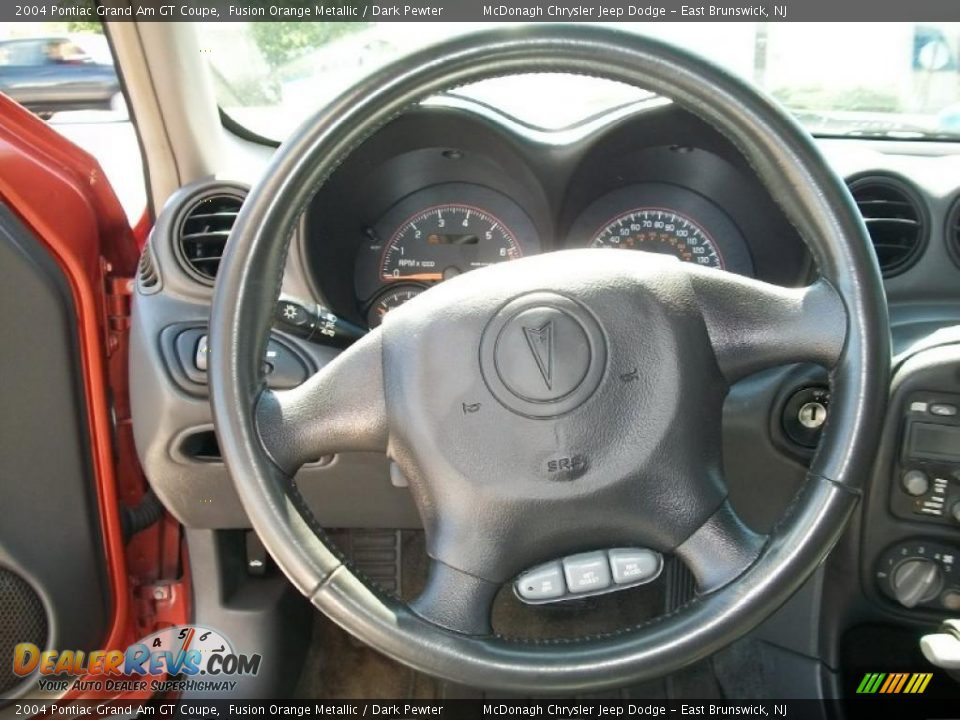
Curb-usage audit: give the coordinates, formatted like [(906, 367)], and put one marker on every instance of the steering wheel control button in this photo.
[(542, 355), (587, 572), (915, 482), (542, 583), (634, 566)]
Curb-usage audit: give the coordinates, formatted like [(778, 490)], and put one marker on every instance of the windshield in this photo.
[(895, 80)]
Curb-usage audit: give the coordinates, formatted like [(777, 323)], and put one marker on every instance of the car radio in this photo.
[(927, 475)]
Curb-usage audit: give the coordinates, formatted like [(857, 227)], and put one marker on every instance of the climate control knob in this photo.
[(915, 581)]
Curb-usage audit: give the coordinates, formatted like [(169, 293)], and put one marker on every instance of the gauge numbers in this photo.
[(661, 231), (444, 241)]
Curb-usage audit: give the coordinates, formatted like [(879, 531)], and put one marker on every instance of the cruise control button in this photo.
[(631, 565), (587, 572), (541, 583)]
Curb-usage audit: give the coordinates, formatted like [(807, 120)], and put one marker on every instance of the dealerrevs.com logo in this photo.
[(202, 659)]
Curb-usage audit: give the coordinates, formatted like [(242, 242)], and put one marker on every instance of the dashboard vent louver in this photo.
[(953, 231), (895, 220), (147, 275), (203, 231)]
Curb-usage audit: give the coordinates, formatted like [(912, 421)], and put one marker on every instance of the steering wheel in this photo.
[(618, 361)]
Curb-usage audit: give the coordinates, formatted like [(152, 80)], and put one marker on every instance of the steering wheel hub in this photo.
[(543, 354)]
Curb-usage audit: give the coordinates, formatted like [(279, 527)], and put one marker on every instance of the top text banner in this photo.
[(479, 11)]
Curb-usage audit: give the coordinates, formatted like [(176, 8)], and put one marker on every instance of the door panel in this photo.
[(53, 585)]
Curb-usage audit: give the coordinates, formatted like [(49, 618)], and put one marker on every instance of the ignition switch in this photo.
[(805, 414)]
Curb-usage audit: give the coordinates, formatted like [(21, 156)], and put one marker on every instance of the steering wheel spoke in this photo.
[(456, 600), (339, 408), (720, 550), (755, 325)]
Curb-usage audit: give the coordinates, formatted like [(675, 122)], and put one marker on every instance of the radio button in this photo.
[(943, 409), (915, 482), (955, 511)]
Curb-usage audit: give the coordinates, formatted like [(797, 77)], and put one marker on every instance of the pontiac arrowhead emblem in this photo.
[(540, 341)]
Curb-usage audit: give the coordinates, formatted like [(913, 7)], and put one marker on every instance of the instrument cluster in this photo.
[(439, 194), (445, 230)]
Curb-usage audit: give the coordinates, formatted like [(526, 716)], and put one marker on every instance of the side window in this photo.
[(65, 73)]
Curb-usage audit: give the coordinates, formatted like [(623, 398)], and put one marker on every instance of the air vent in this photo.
[(953, 231), (895, 220), (147, 276), (203, 232)]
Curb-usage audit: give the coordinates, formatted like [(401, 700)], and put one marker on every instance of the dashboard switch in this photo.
[(190, 359), (955, 511), (542, 583), (943, 409), (916, 483), (915, 581), (314, 323), (631, 565), (587, 572), (200, 359)]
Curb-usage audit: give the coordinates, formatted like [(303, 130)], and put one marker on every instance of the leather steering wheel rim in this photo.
[(811, 196)]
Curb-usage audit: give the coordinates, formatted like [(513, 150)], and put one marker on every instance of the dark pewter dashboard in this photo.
[(455, 185)]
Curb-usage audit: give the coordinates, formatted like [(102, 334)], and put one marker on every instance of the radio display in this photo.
[(934, 442)]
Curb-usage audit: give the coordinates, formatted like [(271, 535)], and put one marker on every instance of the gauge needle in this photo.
[(423, 277)]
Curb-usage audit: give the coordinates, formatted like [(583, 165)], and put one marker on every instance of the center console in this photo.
[(910, 559)]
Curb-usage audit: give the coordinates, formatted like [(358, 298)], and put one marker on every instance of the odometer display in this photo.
[(661, 231), (446, 240)]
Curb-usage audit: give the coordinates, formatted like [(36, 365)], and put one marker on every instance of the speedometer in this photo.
[(661, 231), (446, 240)]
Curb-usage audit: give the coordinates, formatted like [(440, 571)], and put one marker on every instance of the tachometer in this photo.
[(446, 240), (434, 234), (659, 230)]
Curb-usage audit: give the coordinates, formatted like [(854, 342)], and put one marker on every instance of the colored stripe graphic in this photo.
[(901, 683), (894, 683), (870, 683)]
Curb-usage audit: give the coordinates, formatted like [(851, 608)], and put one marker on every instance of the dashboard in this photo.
[(454, 185), (441, 192), (449, 187)]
